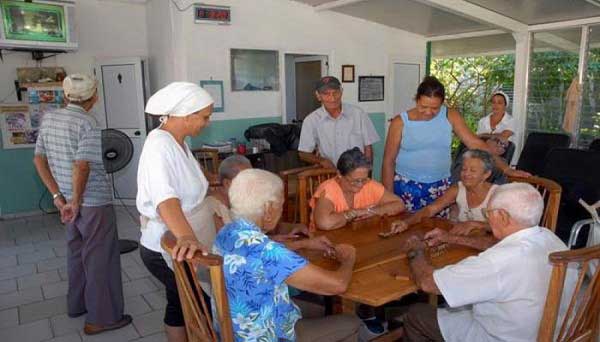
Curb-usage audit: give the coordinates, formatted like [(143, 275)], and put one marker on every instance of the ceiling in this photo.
[(430, 19)]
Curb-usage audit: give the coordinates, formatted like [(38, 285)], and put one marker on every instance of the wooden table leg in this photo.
[(433, 299), (348, 306)]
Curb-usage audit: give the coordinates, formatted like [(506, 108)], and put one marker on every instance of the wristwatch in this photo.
[(57, 194)]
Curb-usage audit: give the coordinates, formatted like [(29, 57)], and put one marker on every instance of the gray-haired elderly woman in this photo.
[(351, 195), (257, 269), (470, 195)]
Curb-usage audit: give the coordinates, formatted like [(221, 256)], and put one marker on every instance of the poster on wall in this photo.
[(20, 123), (215, 89)]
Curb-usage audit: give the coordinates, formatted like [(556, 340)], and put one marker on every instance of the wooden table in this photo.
[(381, 273)]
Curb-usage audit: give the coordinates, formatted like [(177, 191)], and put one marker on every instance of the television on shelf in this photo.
[(38, 25)]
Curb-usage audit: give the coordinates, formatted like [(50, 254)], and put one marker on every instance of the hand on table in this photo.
[(186, 246), (345, 253), (399, 226), (320, 243), (463, 228), (414, 243), (436, 237)]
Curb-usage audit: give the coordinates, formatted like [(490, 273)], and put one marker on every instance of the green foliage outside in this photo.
[(470, 81)]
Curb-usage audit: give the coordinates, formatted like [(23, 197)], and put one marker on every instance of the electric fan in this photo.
[(117, 151)]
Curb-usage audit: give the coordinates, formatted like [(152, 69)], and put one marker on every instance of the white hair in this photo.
[(521, 200), (251, 190)]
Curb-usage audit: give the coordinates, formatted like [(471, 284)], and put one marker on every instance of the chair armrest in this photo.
[(576, 230)]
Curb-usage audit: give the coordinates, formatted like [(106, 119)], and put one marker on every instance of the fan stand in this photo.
[(110, 153)]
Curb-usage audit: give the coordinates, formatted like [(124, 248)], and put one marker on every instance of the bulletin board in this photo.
[(20, 123)]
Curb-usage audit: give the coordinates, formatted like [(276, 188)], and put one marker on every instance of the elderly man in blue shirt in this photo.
[(258, 270)]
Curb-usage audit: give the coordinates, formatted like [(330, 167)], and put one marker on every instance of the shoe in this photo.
[(91, 329), (370, 329), (75, 315)]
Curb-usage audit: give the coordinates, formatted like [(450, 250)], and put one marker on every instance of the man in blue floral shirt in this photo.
[(257, 269)]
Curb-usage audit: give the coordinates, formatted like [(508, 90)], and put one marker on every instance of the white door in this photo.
[(406, 80), (122, 86)]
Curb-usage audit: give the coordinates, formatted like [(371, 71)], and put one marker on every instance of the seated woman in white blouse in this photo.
[(471, 196), (498, 124), (171, 187)]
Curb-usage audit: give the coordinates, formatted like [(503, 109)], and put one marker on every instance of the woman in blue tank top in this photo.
[(416, 161)]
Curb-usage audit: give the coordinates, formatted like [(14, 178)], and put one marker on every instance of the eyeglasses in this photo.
[(357, 182)]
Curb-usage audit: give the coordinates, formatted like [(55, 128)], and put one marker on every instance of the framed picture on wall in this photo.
[(348, 73), (215, 89), (370, 88)]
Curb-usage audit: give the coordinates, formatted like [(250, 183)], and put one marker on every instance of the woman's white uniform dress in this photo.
[(168, 170)]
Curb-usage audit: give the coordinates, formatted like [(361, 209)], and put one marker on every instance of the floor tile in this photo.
[(64, 325), (149, 323), (124, 334), (17, 298), (160, 337), (32, 332), (157, 299), (16, 271), (38, 279), (40, 255), (55, 289), (9, 285), (136, 306), (74, 337), (8, 261), (138, 287), (51, 264), (9, 318), (44, 309)]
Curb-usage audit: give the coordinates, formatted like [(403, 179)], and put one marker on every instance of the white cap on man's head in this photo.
[(79, 87), (179, 99)]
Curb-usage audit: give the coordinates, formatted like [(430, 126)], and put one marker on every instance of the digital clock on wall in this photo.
[(212, 14)]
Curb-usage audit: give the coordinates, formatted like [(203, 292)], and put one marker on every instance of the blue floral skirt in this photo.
[(418, 195)]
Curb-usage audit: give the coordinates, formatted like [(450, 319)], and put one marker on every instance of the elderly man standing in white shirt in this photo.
[(335, 127), (498, 295)]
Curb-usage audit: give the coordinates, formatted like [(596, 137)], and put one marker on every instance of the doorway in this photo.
[(301, 74)]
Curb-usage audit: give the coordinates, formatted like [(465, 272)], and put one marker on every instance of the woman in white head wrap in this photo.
[(498, 124), (171, 186)]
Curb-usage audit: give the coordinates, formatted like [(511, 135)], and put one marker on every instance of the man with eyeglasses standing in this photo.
[(335, 127), (498, 295)]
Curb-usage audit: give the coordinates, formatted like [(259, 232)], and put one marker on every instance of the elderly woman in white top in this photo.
[(498, 124), (171, 187), (470, 195)]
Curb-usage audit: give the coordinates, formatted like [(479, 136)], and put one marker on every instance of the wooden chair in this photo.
[(291, 195), (209, 162), (198, 322), (308, 181), (550, 191), (581, 320)]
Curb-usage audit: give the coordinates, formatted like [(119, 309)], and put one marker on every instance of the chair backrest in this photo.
[(550, 191), (595, 145), (208, 159), (198, 322), (536, 148), (291, 212), (580, 322), (308, 182)]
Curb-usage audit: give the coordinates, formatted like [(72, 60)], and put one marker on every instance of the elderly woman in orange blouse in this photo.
[(351, 195)]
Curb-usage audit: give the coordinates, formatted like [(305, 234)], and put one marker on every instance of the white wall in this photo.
[(106, 29), (289, 27)]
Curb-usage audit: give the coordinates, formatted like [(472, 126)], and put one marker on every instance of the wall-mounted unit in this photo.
[(47, 25)]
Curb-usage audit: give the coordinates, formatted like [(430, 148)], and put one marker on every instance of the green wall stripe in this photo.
[(22, 188)]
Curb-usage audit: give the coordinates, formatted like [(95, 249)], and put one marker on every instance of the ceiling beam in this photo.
[(558, 42), (466, 35), (564, 24), (334, 4), (477, 13)]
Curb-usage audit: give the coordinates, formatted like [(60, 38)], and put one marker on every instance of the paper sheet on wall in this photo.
[(215, 91)]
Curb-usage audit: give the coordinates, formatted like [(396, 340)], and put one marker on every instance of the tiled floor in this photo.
[(33, 285)]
